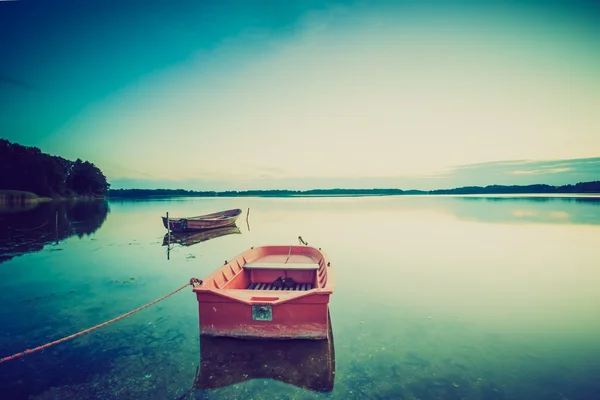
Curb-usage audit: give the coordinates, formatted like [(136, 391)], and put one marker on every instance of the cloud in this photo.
[(521, 172), (524, 172), (541, 171)]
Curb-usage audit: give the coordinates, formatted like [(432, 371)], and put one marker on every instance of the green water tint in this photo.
[(436, 298)]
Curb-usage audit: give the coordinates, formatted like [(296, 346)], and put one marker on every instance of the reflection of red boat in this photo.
[(191, 238), (268, 292), (308, 364), (208, 221)]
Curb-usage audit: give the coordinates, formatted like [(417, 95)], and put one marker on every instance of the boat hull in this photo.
[(304, 318), (210, 221)]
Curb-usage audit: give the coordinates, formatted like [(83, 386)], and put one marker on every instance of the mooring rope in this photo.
[(187, 393), (30, 229), (193, 282)]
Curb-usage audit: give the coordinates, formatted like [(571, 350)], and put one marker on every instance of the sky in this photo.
[(248, 94)]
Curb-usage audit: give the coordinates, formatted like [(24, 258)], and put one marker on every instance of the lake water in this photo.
[(436, 298)]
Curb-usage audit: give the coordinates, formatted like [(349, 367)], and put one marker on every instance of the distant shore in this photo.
[(20, 197), (582, 188), (24, 197)]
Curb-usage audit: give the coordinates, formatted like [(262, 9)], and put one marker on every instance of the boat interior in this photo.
[(291, 268)]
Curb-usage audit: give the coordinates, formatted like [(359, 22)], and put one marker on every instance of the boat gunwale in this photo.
[(289, 295), (283, 296), (219, 219), (216, 216)]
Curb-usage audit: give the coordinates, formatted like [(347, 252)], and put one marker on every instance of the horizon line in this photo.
[(363, 189)]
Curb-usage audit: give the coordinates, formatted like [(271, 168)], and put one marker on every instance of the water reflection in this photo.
[(547, 210), (195, 237), (25, 230), (192, 238), (498, 310), (308, 364)]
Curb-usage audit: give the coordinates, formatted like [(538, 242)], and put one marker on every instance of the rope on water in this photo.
[(30, 229), (193, 282)]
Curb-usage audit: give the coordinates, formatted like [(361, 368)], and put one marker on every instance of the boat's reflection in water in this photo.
[(195, 237), (308, 364)]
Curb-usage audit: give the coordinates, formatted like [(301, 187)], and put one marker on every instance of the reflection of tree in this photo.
[(537, 199), (24, 231), (85, 217)]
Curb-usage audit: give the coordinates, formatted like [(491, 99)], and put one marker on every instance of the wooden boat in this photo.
[(308, 364), (268, 292), (195, 237), (208, 221)]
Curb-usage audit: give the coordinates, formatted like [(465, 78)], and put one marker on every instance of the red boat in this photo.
[(268, 292), (209, 221)]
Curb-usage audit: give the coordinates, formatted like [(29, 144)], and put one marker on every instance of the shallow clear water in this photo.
[(436, 297)]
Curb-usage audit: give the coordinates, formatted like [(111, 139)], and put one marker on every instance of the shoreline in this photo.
[(12, 197), (20, 197), (581, 188), (488, 195)]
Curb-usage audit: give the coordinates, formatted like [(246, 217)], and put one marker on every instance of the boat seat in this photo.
[(269, 286), (269, 265)]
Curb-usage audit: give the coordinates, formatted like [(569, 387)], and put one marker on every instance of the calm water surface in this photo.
[(436, 298)]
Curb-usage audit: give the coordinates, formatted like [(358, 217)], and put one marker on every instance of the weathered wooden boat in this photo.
[(208, 221), (268, 292), (195, 237), (308, 364)]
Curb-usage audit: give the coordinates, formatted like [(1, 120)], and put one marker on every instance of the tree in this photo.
[(87, 179), (28, 169)]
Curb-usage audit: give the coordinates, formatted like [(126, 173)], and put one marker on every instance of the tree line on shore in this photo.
[(29, 169), (582, 187)]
